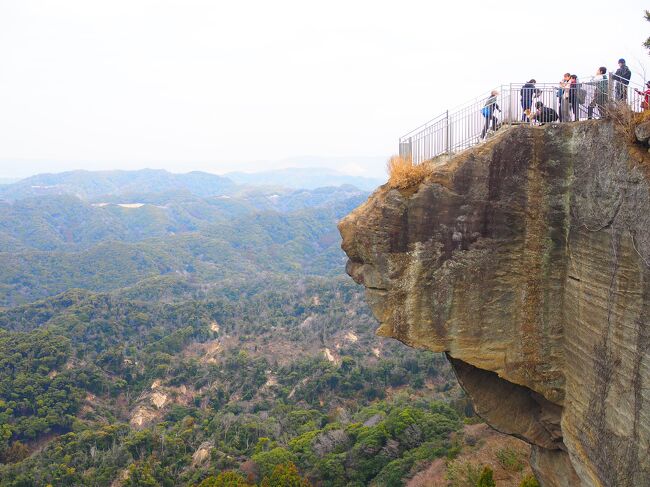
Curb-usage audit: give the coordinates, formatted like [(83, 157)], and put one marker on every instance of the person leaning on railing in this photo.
[(488, 113)]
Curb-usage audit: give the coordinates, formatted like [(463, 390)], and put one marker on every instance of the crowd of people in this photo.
[(572, 97)]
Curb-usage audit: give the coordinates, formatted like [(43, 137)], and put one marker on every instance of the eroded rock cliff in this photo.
[(527, 260)]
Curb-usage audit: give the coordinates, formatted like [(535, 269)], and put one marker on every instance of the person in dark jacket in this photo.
[(528, 91), (488, 112), (544, 114), (575, 91), (622, 77)]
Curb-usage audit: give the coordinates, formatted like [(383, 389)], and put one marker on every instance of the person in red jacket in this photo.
[(645, 104)]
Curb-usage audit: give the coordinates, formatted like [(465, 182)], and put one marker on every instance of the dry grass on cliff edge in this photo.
[(624, 119), (403, 173)]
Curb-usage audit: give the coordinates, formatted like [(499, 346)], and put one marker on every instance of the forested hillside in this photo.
[(182, 337), (53, 243)]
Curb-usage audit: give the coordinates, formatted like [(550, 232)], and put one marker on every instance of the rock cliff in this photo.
[(527, 260)]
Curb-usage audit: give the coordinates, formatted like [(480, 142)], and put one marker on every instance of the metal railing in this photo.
[(465, 126)]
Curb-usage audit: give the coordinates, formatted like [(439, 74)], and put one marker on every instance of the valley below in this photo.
[(199, 332)]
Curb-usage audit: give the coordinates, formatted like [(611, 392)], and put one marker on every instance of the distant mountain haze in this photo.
[(308, 178), (91, 184), (108, 185)]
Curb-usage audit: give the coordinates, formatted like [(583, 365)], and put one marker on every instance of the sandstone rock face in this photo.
[(527, 260), (642, 131)]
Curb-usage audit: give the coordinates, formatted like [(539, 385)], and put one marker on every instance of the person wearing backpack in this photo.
[(528, 91), (622, 78), (488, 112)]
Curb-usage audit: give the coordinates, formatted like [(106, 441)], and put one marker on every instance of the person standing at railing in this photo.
[(622, 78), (577, 96), (645, 104), (528, 91), (600, 93), (488, 113), (563, 94)]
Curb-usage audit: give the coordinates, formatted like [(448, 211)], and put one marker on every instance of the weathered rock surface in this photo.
[(202, 453), (642, 131), (527, 260)]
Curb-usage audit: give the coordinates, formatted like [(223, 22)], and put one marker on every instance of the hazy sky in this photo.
[(218, 86)]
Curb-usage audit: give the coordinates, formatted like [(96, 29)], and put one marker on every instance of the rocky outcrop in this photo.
[(527, 260)]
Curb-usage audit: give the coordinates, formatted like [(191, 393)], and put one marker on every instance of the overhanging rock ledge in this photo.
[(526, 260)]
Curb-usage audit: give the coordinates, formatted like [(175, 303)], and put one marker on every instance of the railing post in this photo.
[(510, 121), (447, 131)]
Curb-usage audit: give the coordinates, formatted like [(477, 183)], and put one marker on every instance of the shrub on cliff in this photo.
[(529, 481), (225, 479), (403, 173), (487, 478), (461, 473), (510, 459)]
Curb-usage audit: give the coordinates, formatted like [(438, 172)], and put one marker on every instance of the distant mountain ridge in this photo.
[(114, 185), (92, 184), (303, 177)]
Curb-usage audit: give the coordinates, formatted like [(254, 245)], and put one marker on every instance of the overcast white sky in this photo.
[(217, 86)]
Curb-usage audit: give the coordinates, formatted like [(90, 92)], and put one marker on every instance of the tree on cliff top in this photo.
[(647, 41)]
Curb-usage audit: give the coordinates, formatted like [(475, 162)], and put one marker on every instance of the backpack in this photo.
[(486, 112)]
